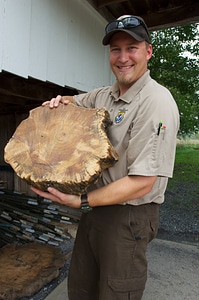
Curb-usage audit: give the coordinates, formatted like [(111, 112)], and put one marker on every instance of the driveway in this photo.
[(173, 273)]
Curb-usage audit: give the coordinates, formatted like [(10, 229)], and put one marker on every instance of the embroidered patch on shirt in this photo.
[(120, 116)]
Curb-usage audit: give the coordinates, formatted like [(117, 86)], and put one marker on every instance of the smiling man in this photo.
[(122, 208), (128, 59)]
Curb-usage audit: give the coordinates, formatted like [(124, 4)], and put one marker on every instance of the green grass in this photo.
[(185, 181), (186, 167)]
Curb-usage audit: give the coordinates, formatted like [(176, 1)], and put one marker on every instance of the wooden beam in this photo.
[(18, 94), (157, 14), (103, 3), (29, 88), (176, 17)]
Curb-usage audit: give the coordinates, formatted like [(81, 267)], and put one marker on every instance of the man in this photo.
[(109, 261)]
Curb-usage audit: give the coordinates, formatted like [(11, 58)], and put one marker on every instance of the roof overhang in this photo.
[(158, 14)]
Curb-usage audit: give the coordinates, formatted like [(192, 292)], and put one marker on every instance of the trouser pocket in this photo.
[(125, 289)]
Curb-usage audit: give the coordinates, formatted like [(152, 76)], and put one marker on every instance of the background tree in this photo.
[(175, 65)]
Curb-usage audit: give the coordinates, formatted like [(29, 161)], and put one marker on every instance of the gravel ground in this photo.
[(179, 215)]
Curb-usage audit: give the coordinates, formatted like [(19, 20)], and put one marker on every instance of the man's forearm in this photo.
[(122, 190)]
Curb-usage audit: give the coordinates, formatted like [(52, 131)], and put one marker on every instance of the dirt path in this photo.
[(173, 271)]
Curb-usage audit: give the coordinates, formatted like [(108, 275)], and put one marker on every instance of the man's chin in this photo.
[(124, 81)]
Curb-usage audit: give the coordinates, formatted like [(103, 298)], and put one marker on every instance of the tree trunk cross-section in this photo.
[(65, 147), (25, 269)]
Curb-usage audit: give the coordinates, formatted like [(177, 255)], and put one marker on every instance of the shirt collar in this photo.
[(132, 91)]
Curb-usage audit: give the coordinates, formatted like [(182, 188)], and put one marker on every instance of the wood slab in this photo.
[(25, 269), (65, 147)]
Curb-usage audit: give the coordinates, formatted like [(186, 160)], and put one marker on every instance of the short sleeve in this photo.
[(152, 144)]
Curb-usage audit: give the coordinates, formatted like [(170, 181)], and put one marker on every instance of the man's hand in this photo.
[(56, 196), (54, 102)]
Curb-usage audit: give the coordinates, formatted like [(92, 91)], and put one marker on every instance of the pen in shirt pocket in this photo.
[(161, 126)]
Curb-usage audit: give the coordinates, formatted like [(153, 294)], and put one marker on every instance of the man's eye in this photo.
[(115, 50), (132, 48)]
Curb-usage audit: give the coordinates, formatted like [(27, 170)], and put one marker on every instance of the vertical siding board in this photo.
[(1, 32), (57, 41), (96, 69), (95, 61), (16, 37), (39, 36), (72, 66), (90, 48), (86, 64)]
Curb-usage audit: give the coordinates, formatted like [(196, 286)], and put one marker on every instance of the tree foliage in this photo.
[(175, 65)]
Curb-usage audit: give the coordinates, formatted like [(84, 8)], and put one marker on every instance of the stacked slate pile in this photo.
[(25, 219)]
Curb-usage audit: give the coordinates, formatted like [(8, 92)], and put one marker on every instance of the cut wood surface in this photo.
[(25, 269), (65, 147)]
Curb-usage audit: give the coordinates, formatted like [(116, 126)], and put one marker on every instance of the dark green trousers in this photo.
[(109, 256)]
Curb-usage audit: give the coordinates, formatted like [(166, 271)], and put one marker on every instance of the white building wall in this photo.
[(54, 40), (1, 31), (15, 36)]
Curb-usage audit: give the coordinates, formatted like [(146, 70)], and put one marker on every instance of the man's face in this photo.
[(128, 59)]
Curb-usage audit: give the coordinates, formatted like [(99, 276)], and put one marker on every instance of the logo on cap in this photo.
[(120, 25)]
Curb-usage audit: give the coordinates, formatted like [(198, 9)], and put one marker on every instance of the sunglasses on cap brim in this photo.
[(126, 23)]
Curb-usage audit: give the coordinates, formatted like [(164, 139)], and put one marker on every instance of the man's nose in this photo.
[(123, 56)]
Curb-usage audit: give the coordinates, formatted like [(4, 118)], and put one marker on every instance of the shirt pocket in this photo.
[(157, 150)]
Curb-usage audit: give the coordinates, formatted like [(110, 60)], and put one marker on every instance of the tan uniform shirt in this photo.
[(143, 147)]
